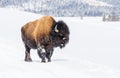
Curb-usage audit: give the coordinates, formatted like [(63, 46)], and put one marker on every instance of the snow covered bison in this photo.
[(44, 34)]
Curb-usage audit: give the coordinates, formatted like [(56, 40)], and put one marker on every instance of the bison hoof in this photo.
[(43, 61), (28, 60), (49, 60)]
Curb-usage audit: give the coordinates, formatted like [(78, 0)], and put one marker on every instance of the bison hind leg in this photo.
[(27, 54)]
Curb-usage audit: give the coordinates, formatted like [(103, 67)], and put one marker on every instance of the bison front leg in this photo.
[(27, 54), (49, 53), (41, 53)]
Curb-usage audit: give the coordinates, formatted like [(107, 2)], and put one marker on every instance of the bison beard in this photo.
[(44, 35)]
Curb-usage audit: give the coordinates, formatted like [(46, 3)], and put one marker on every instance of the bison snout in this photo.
[(62, 45)]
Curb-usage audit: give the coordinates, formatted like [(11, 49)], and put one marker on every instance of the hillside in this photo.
[(93, 50), (65, 7)]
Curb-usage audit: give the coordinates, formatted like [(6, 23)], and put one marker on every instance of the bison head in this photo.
[(60, 34)]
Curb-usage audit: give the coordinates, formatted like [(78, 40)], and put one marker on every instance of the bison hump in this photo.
[(43, 27)]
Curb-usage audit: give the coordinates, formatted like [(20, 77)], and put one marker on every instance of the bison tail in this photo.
[(22, 33)]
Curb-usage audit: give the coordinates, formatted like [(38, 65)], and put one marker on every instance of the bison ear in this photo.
[(56, 29)]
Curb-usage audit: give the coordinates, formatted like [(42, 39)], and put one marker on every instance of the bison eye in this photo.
[(61, 34)]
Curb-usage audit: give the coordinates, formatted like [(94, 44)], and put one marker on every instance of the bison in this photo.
[(44, 34)]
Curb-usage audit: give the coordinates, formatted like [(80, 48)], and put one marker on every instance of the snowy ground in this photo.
[(93, 50)]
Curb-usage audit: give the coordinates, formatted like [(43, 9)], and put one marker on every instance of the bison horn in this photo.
[(56, 30)]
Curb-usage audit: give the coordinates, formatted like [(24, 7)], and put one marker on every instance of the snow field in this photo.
[(93, 50)]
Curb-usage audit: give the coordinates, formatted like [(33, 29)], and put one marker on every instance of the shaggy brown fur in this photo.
[(44, 34), (38, 29)]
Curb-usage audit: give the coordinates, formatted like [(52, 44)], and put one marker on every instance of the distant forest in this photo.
[(63, 7)]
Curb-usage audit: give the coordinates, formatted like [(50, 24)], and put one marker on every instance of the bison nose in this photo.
[(62, 45)]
